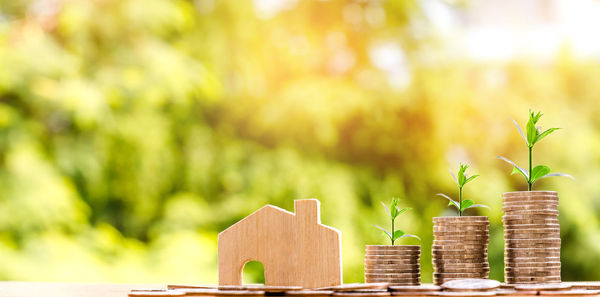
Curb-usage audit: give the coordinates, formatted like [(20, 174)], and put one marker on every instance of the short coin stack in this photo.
[(460, 248), (393, 264), (532, 237)]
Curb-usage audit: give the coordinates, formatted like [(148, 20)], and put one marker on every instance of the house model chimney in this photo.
[(308, 210)]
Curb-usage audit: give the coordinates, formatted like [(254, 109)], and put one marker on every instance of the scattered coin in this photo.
[(421, 288), (155, 293), (471, 284), (355, 286), (311, 293)]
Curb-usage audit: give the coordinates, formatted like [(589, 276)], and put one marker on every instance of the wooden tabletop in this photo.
[(34, 289)]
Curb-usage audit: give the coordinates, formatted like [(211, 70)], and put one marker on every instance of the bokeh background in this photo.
[(133, 131)]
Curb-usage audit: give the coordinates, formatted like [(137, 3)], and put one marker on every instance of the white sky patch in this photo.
[(390, 58), (266, 9), (504, 29)]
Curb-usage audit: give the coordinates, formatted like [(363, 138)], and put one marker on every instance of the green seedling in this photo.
[(394, 211), (534, 135), (462, 179)]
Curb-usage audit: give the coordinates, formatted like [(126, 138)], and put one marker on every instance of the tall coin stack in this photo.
[(532, 237), (394, 264), (460, 248)]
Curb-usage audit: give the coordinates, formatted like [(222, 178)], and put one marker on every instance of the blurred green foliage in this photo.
[(133, 131)]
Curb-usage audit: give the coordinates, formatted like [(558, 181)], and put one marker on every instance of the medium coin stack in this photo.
[(460, 248), (393, 264), (532, 237)]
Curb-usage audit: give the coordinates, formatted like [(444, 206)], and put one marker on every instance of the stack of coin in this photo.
[(393, 264), (532, 237), (460, 248)]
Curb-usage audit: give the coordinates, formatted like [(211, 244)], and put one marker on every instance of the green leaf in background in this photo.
[(546, 133), (477, 205), (385, 231), (516, 170), (461, 174), (452, 202), (398, 234), (394, 212), (466, 204), (386, 208), (520, 131), (534, 135), (532, 131), (557, 174), (404, 210), (471, 178), (410, 235), (538, 172), (515, 167)]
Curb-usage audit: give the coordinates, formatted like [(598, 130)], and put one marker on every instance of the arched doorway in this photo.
[(253, 273)]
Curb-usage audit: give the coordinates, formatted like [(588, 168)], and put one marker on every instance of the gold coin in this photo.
[(379, 269), (516, 227), (392, 275), (511, 259), (398, 270), (529, 193), (448, 242), (392, 262), (533, 231), (393, 253), (393, 257), (474, 247), (529, 216), (455, 251), (512, 210), (532, 240), (472, 285), (460, 219), (462, 275), (392, 247), (530, 202), (466, 238), (442, 257), (533, 265), (460, 270)]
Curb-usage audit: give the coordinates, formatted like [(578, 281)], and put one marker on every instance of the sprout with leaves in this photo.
[(462, 205), (534, 135), (394, 211)]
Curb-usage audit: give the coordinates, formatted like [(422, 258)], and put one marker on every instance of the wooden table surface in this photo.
[(35, 289)]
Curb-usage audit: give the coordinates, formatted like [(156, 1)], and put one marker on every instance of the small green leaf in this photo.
[(461, 174), (385, 231), (532, 132), (546, 133), (539, 171), (453, 176), (558, 174), (404, 210), (520, 131), (520, 170), (398, 234), (516, 170), (410, 235), (386, 208), (477, 205), (452, 202), (471, 178), (466, 204), (394, 208)]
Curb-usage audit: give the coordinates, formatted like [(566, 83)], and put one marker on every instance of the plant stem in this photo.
[(392, 231), (529, 184), (459, 201)]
